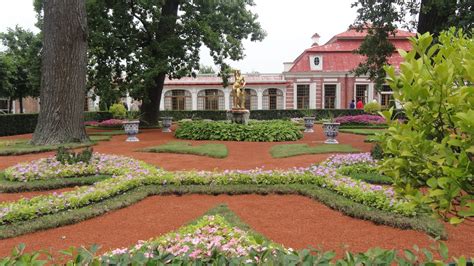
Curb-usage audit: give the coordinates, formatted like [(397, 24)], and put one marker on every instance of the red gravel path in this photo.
[(242, 155), (293, 221)]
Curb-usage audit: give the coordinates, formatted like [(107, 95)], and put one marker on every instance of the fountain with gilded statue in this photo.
[(238, 114)]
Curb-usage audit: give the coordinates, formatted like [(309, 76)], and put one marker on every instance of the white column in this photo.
[(338, 96), (194, 100), (312, 95), (295, 91), (370, 95), (14, 106), (226, 99), (284, 97), (162, 101), (260, 99)]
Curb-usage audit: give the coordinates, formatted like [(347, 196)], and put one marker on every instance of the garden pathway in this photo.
[(242, 155), (293, 221)]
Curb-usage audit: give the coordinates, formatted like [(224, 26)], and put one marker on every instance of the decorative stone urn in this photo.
[(239, 116), (167, 122), (131, 129), (331, 130), (309, 124)]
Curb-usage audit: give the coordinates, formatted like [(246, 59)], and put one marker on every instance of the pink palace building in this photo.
[(320, 77)]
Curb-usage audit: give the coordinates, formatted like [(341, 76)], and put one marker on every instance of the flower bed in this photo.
[(131, 173), (110, 123), (361, 120), (51, 168), (210, 236)]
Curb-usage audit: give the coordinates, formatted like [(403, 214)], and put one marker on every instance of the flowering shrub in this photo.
[(211, 235), (360, 120), (112, 123), (129, 173)]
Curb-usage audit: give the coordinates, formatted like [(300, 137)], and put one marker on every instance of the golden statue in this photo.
[(238, 90)]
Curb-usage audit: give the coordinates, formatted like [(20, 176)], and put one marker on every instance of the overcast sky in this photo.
[(289, 25)]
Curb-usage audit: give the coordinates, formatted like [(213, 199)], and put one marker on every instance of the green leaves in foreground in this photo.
[(289, 150), (435, 147), (215, 150)]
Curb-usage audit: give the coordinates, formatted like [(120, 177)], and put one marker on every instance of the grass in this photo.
[(7, 186), (22, 146), (289, 150), (361, 131), (213, 150), (337, 202)]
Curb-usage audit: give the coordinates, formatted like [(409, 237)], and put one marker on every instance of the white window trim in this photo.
[(366, 91), (295, 94)]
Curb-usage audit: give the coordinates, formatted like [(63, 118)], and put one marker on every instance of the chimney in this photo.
[(315, 39)]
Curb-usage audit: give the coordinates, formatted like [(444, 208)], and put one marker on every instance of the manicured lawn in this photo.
[(289, 150), (361, 131), (210, 149), (22, 146)]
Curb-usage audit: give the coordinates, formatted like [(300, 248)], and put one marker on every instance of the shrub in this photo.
[(65, 156), (361, 120), (434, 148), (372, 107), (118, 111), (377, 152), (254, 131)]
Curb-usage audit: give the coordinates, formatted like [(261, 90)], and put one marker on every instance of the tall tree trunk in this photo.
[(434, 15), (63, 73), (166, 28)]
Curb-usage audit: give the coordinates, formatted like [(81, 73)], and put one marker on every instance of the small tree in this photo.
[(435, 147), (24, 60)]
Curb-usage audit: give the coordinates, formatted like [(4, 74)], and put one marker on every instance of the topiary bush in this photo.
[(372, 107), (255, 131), (118, 111)]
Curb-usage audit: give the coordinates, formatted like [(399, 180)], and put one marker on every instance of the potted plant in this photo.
[(308, 120), (331, 130), (131, 126), (166, 122)]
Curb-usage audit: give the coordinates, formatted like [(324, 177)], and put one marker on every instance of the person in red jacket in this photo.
[(360, 104)]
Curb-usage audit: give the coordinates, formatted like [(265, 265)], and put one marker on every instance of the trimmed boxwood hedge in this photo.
[(14, 124), (262, 114), (276, 130)]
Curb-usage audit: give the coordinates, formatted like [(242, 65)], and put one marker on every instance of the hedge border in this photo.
[(7, 186), (15, 124), (334, 201)]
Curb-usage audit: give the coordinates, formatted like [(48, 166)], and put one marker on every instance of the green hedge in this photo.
[(261, 114), (276, 130), (14, 124)]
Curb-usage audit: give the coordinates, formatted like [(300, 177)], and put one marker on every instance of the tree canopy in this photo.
[(134, 46)]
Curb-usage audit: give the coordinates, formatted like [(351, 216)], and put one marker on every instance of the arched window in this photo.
[(272, 99), (178, 100), (212, 99)]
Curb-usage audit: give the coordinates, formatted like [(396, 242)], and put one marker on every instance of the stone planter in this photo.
[(167, 122), (330, 131), (309, 124), (131, 129), (239, 116)]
